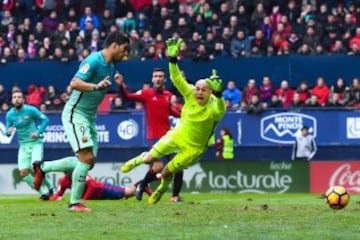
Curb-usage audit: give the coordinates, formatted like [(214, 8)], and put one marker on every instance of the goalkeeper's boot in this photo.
[(132, 163), (79, 207), (38, 174), (155, 196)]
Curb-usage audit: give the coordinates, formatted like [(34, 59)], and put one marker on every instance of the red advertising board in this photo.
[(324, 174)]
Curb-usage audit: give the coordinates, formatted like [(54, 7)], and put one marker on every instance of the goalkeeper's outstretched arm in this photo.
[(178, 80)]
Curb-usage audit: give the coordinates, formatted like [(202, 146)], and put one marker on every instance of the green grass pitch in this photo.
[(201, 216)]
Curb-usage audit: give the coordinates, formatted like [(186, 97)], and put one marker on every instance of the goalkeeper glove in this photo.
[(215, 83), (173, 49)]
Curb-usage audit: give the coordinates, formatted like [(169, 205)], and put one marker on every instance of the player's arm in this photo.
[(9, 125), (81, 82), (174, 112), (313, 149), (42, 118), (138, 96), (173, 47)]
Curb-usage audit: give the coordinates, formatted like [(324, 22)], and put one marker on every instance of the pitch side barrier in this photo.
[(265, 137)]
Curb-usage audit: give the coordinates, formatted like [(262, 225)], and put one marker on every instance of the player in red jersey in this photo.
[(157, 105), (95, 190)]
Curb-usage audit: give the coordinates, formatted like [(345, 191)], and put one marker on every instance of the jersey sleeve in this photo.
[(178, 80), (8, 122), (44, 120), (220, 108), (86, 69), (138, 96)]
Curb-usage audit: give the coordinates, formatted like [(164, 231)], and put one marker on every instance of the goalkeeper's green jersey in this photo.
[(197, 122)]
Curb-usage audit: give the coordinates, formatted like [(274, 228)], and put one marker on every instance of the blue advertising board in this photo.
[(270, 128), (280, 128), (116, 129)]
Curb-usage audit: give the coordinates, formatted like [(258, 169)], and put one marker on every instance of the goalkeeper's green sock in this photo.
[(78, 181), (165, 182), (61, 165)]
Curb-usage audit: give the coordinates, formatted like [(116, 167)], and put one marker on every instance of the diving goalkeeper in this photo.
[(189, 139)]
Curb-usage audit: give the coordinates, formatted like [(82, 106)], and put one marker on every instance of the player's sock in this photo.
[(60, 165), (78, 181), (47, 183), (29, 179), (178, 181), (149, 177), (165, 182), (132, 163)]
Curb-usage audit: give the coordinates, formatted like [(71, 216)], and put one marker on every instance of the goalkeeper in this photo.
[(189, 139)]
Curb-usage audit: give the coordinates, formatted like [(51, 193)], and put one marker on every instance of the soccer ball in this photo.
[(337, 197)]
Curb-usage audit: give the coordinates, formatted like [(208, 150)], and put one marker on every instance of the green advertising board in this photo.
[(247, 177)]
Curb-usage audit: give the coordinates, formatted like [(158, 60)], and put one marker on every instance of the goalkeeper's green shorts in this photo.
[(186, 155)]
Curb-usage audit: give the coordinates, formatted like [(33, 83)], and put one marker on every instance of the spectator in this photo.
[(35, 95), (89, 17), (183, 29), (321, 91), (254, 106), (5, 107), (51, 23), (296, 102), (232, 94), (4, 96), (285, 94), (259, 42), (7, 56), (304, 92), (352, 95), (52, 99), (106, 20), (339, 88), (313, 102), (258, 15), (248, 91), (240, 44), (266, 28), (275, 102), (266, 90), (292, 12), (129, 23), (136, 46), (6, 19), (334, 101), (116, 104), (168, 29), (202, 54)]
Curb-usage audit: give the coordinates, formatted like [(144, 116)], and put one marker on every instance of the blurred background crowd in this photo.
[(70, 30)]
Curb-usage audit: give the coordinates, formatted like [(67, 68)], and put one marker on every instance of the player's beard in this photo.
[(18, 106)]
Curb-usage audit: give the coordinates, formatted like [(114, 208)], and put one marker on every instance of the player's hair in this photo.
[(116, 37), (158, 70), (17, 91), (227, 132)]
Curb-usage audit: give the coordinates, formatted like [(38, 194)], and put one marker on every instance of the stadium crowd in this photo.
[(70, 30)]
